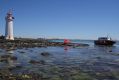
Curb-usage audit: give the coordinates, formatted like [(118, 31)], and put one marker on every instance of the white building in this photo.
[(9, 26)]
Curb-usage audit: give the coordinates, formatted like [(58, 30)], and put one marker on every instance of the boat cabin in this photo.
[(104, 38)]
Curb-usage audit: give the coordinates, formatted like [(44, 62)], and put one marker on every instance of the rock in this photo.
[(21, 51), (55, 69), (74, 72), (110, 51), (45, 53), (45, 76), (98, 57), (13, 58), (82, 76), (56, 78), (36, 62), (6, 58), (115, 74), (42, 61), (26, 76), (18, 66)]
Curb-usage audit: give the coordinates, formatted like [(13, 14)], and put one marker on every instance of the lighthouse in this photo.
[(9, 26)]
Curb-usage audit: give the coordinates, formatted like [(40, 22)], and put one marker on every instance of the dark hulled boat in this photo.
[(104, 41)]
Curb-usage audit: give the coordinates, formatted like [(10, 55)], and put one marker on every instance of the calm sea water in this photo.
[(98, 62)]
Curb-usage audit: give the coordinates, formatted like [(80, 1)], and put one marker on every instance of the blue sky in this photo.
[(82, 19)]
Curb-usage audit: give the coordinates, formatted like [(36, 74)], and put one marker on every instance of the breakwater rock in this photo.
[(34, 43)]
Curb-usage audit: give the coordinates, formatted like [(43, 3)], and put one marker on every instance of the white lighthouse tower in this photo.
[(9, 26)]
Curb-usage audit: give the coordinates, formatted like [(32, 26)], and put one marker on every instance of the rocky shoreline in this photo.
[(27, 43)]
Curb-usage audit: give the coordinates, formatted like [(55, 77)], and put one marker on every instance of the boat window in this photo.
[(102, 38)]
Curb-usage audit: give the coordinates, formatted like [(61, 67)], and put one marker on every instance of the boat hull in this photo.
[(104, 42)]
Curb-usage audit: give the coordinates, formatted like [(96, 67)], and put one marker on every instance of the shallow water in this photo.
[(66, 63)]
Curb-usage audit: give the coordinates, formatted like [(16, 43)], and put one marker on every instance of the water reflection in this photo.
[(66, 48), (10, 62), (10, 51), (105, 48), (8, 59)]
